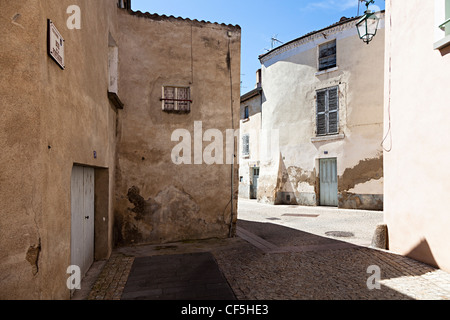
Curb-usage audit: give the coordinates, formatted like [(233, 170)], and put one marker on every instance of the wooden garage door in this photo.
[(82, 218)]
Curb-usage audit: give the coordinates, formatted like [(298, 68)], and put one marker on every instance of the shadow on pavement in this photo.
[(351, 272), (194, 276)]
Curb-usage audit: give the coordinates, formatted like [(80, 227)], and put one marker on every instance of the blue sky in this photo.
[(259, 21)]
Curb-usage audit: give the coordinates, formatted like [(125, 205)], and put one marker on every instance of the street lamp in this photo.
[(367, 26)]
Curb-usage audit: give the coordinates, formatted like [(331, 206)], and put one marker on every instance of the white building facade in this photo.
[(323, 99)]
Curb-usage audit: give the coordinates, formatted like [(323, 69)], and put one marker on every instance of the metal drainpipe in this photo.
[(234, 147)]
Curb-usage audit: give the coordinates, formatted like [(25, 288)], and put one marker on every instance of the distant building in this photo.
[(88, 112), (323, 97), (250, 130), (416, 117)]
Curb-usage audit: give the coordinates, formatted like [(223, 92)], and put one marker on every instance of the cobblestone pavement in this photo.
[(270, 261), (112, 279)]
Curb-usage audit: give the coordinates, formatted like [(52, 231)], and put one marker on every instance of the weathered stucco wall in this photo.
[(157, 200), (51, 119), (416, 124), (290, 84)]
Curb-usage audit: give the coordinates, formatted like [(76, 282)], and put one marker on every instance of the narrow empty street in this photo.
[(279, 253)]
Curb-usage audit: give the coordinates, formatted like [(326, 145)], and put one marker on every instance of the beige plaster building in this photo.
[(156, 199), (416, 128), (90, 94), (323, 99), (250, 135)]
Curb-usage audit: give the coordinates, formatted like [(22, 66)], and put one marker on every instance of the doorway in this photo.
[(82, 218), (328, 182), (254, 184)]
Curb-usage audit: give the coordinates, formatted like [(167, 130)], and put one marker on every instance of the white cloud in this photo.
[(337, 5)]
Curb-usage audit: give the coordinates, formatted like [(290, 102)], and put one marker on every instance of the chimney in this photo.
[(124, 4), (258, 78)]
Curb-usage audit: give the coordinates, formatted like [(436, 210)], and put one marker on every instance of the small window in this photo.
[(176, 99), (327, 111), (442, 24), (246, 114), (246, 145), (445, 26), (327, 55)]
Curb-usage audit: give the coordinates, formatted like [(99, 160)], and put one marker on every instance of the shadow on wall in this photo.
[(285, 188), (288, 185), (445, 51), (422, 252)]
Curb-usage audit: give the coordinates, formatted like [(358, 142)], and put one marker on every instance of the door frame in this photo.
[(82, 217), (319, 200), (103, 213), (253, 189)]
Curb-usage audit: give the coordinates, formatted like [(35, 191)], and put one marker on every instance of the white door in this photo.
[(328, 182), (82, 218), (254, 186)]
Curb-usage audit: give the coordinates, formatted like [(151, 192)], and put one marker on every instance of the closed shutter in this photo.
[(176, 99), (246, 145), (321, 113), (183, 96), (333, 108), (327, 111), (169, 93), (327, 55)]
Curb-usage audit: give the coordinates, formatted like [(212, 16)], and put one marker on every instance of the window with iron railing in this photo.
[(176, 99)]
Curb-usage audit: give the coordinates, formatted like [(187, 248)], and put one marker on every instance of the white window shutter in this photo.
[(321, 112), (169, 93), (246, 145), (327, 116), (177, 99), (183, 95)]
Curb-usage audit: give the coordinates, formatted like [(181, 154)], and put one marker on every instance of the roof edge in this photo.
[(337, 24), (158, 17), (251, 94)]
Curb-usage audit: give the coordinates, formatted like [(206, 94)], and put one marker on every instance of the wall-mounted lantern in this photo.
[(367, 26)]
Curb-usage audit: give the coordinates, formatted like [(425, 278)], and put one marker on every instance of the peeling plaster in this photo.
[(173, 214), (32, 257), (365, 170)]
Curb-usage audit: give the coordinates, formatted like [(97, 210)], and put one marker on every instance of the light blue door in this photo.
[(254, 186), (328, 182)]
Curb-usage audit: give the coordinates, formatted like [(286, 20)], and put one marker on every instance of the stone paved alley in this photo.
[(282, 253)]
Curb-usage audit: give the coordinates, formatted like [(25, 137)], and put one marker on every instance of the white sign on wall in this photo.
[(55, 44)]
